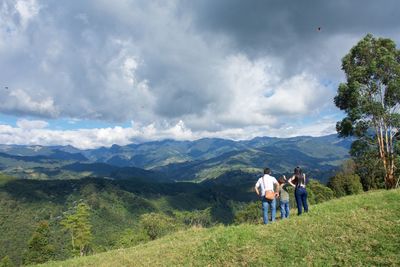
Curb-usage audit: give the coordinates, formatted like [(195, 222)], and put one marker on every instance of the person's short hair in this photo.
[(267, 171)]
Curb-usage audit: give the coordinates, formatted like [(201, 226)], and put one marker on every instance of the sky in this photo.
[(96, 72)]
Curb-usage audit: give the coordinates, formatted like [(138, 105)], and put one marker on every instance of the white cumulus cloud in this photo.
[(37, 133)]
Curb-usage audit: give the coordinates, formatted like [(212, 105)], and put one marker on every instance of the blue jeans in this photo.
[(284, 209), (301, 199), (265, 205)]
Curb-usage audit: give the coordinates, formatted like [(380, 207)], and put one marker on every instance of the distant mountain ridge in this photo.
[(198, 160)]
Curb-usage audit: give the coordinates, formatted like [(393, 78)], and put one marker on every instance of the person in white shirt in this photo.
[(267, 185)]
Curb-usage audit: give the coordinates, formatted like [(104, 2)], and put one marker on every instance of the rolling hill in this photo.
[(361, 230)]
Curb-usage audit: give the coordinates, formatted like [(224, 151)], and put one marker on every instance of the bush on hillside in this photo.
[(6, 262), (318, 193), (345, 184), (367, 165), (200, 218), (156, 225), (39, 248), (132, 237), (251, 213)]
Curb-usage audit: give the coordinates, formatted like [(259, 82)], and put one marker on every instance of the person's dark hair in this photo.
[(267, 171), (298, 171), (299, 176), (281, 180)]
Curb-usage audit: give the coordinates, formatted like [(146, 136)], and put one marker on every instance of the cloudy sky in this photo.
[(93, 73)]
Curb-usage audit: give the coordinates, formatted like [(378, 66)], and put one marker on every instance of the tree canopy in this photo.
[(371, 99), (79, 226)]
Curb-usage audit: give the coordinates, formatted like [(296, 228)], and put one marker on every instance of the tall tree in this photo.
[(6, 262), (78, 225), (371, 99), (39, 248)]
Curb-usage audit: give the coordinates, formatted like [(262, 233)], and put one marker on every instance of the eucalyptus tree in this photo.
[(370, 98), (79, 226)]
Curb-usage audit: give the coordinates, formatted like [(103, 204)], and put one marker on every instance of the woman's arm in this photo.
[(290, 181)]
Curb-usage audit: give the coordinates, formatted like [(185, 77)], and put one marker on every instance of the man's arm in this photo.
[(258, 192), (256, 187), (276, 188)]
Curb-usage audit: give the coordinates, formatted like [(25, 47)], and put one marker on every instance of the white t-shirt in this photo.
[(269, 182)]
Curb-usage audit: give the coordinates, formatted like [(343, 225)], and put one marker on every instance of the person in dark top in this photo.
[(298, 181), (283, 197)]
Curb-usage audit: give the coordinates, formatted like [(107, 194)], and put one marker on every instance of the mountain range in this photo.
[(171, 160)]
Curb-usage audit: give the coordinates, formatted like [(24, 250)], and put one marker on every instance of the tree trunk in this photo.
[(72, 240), (386, 154), (390, 181)]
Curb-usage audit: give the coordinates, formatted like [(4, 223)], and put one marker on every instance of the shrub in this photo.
[(39, 248), (251, 213), (156, 225), (345, 184), (201, 218), (6, 262), (132, 237), (318, 192)]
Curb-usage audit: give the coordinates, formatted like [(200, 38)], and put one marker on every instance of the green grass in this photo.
[(362, 230)]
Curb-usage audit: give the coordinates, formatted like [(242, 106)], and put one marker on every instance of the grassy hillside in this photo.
[(360, 230)]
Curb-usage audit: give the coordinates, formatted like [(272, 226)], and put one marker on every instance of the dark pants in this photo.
[(301, 200)]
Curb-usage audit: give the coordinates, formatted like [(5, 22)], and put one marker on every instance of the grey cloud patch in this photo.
[(290, 28), (80, 68), (274, 24), (78, 53), (17, 101)]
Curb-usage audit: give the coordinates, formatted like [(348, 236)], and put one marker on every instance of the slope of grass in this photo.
[(360, 230)]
